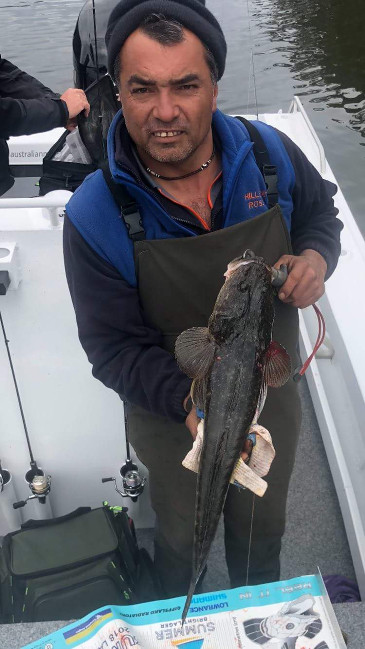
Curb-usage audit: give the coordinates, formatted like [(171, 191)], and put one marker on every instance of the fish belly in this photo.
[(233, 392)]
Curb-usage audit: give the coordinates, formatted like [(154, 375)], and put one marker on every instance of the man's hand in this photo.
[(247, 450), (305, 283), (76, 102), (191, 422)]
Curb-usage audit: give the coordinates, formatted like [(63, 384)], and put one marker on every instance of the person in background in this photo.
[(202, 201), (27, 106)]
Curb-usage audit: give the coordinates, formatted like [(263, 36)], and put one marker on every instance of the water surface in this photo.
[(276, 48)]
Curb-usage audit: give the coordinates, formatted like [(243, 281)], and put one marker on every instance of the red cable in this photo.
[(319, 341)]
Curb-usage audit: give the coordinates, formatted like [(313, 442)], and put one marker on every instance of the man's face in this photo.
[(167, 96)]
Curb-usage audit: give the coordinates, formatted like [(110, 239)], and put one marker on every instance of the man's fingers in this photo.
[(71, 124), (296, 283), (294, 278), (191, 422), (76, 102), (284, 260), (305, 281), (302, 297), (307, 292), (247, 450)]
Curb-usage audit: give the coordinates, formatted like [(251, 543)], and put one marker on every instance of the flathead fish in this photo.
[(232, 362)]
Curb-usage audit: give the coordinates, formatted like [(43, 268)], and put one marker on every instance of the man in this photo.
[(27, 106), (202, 201)]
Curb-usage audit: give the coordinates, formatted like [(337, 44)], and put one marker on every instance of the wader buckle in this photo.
[(132, 218), (269, 173)]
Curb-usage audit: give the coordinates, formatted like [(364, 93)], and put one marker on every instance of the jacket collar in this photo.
[(229, 131)]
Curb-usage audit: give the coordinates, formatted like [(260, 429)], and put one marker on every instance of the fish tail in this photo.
[(188, 600)]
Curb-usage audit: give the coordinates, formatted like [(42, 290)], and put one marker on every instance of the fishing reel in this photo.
[(4, 478), (38, 483), (132, 481)]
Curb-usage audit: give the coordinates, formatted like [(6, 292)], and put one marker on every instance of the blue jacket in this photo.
[(126, 353), (96, 216)]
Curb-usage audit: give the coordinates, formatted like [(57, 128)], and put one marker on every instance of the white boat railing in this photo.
[(47, 201), (296, 106), (336, 377), (51, 204)]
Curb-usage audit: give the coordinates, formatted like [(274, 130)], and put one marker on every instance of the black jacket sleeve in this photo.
[(125, 352), (314, 222), (26, 105)]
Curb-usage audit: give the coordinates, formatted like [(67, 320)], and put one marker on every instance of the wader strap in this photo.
[(128, 206), (262, 157)]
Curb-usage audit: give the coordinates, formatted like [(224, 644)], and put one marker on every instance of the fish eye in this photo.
[(242, 287)]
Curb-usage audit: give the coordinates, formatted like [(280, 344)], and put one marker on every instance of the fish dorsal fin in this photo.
[(277, 365), (194, 352)]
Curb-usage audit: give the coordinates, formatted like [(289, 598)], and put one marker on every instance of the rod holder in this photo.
[(10, 271)]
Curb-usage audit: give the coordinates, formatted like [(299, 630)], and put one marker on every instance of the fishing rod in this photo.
[(132, 482), (251, 70), (278, 278), (97, 81), (39, 484)]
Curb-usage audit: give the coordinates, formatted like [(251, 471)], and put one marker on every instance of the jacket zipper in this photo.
[(155, 198)]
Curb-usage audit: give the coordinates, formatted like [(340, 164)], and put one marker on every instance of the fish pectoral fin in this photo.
[(261, 402), (277, 365), (198, 393), (194, 352)]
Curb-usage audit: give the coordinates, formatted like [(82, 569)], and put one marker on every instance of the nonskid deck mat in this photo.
[(292, 614)]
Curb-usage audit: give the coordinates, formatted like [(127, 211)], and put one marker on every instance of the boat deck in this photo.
[(326, 458), (315, 535)]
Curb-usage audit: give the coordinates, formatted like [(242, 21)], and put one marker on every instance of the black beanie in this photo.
[(128, 15)]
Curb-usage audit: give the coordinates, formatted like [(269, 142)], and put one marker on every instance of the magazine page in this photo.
[(293, 614)]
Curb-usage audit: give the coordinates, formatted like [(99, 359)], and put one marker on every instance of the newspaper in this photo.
[(293, 614)]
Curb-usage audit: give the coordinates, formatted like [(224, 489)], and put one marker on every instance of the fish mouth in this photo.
[(278, 276), (248, 257)]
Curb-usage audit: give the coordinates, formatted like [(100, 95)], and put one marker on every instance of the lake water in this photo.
[(311, 48)]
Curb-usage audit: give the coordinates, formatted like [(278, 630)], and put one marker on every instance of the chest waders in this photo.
[(178, 282)]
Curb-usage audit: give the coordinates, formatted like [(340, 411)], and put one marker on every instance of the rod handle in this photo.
[(20, 503)]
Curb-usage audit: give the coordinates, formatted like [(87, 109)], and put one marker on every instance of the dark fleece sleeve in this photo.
[(26, 105), (314, 222), (125, 352)]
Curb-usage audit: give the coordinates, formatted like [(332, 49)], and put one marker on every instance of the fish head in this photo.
[(245, 297), (242, 263), (278, 276)]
